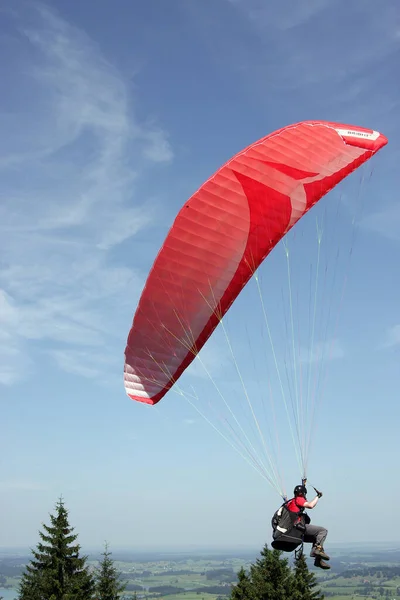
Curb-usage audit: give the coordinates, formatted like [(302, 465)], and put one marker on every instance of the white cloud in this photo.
[(72, 156), (212, 359), (321, 352), (332, 42), (22, 486), (85, 363), (9, 371), (10, 353), (392, 337), (283, 15), (8, 311), (157, 147), (386, 222)]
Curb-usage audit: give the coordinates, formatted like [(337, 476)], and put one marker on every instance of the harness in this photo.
[(288, 528)]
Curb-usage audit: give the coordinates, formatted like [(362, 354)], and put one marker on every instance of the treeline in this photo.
[(10, 570), (220, 590), (166, 590), (172, 572), (171, 590), (133, 587), (225, 574), (378, 571)]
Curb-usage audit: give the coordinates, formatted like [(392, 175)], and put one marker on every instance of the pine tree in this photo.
[(243, 589), (271, 576), (305, 582), (108, 585), (57, 572)]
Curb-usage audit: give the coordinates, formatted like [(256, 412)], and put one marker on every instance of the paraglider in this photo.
[(292, 526), (217, 242), (221, 236)]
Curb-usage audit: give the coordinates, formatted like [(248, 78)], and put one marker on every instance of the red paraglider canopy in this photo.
[(223, 233)]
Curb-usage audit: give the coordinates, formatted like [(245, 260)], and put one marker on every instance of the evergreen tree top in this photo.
[(109, 586), (57, 571), (271, 578), (305, 582)]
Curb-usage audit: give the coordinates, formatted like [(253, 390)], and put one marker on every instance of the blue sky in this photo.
[(112, 115)]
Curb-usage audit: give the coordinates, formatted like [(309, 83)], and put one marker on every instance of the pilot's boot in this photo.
[(318, 550), (318, 562)]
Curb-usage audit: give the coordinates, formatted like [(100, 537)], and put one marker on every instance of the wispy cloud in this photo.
[(380, 31), (322, 351), (392, 337), (282, 16), (10, 353), (313, 44), (22, 486), (386, 222), (213, 358), (157, 147), (86, 363), (71, 159)]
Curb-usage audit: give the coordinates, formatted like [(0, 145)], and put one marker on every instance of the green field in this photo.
[(339, 588), (353, 577)]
